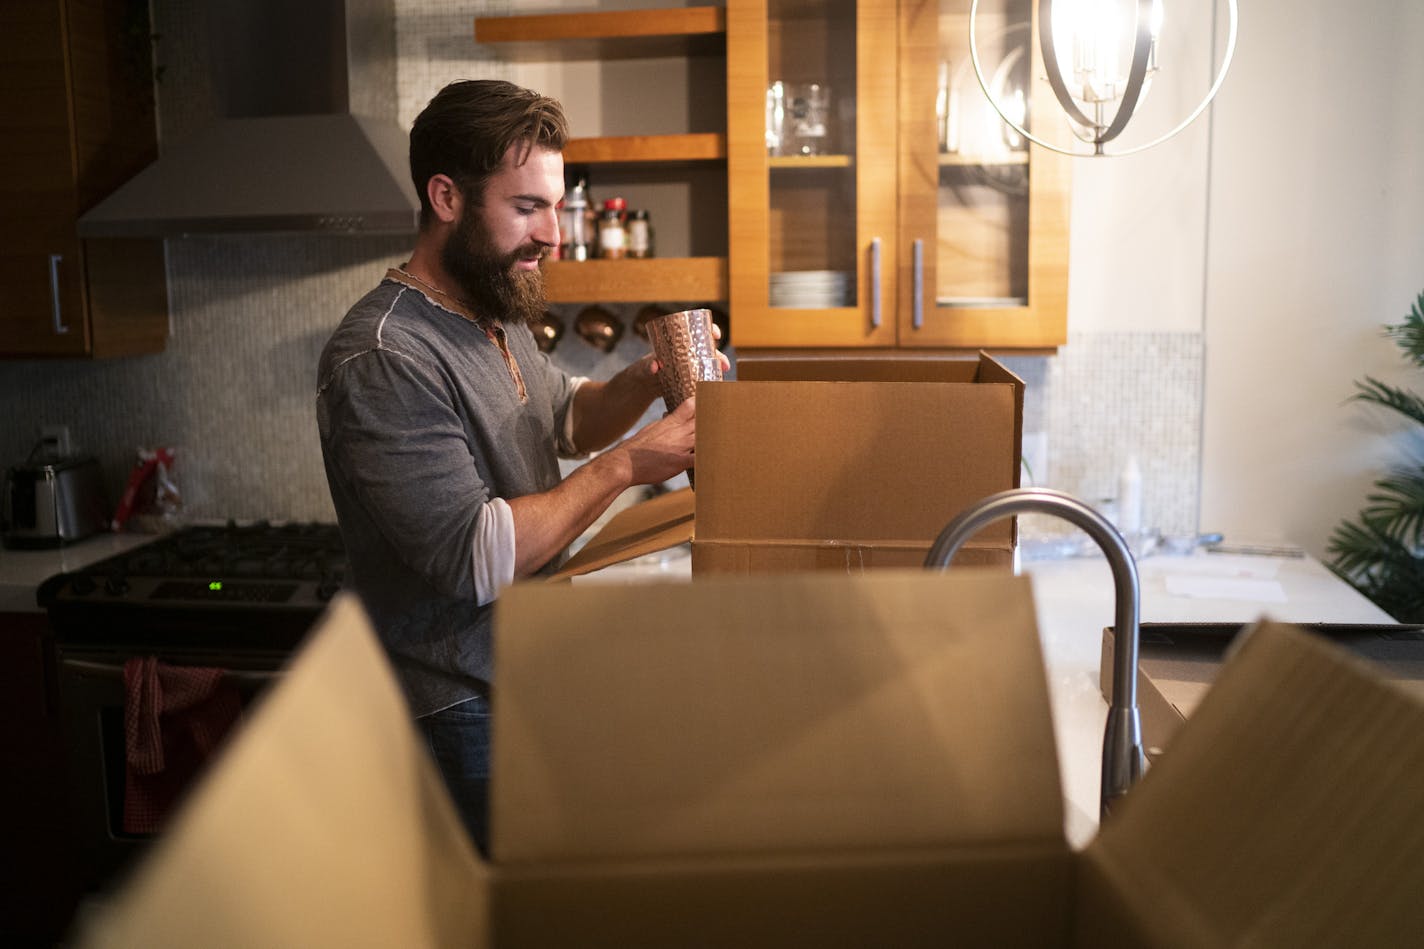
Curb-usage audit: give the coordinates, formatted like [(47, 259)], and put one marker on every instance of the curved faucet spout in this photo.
[(1123, 758)]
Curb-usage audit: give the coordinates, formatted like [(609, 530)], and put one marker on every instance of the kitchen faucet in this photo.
[(1123, 758)]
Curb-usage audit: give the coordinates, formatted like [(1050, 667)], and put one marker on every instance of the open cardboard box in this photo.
[(1177, 663), (835, 462), (792, 760)]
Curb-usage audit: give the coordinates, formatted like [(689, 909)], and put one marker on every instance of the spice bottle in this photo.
[(612, 238), (640, 235)]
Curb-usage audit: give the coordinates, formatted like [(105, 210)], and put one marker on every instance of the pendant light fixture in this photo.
[(1082, 44)]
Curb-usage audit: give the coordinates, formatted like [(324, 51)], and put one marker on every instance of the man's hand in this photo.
[(546, 523), (603, 411), (662, 449)]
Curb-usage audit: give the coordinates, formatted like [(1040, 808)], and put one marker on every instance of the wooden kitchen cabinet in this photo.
[(620, 34), (894, 228), (76, 121)]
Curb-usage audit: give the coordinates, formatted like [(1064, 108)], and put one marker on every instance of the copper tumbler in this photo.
[(686, 352)]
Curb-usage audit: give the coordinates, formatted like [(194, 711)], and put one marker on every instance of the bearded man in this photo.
[(441, 422)]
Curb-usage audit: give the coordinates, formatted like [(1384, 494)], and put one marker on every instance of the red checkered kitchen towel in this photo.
[(175, 718)]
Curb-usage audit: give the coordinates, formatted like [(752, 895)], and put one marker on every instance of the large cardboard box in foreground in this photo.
[(792, 760), (842, 463)]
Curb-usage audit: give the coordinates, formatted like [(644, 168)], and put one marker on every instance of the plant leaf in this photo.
[(1406, 403), (1381, 568), (1396, 507), (1409, 335)]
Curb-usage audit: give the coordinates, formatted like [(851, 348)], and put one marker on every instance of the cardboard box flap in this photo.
[(990, 371), (645, 528), (1287, 812), (759, 478), (323, 824), (861, 367), (1179, 661), (898, 366), (800, 713)]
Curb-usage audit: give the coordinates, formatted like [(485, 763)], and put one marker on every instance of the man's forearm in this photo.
[(546, 523), (604, 411)]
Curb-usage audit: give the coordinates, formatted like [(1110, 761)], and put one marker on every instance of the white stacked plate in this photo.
[(809, 288)]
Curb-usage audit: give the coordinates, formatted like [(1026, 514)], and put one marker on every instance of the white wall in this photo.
[(1287, 226), (1138, 233), (1315, 239)]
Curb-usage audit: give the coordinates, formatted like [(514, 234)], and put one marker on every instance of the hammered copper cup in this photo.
[(686, 352)]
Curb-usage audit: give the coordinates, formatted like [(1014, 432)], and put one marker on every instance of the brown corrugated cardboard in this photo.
[(794, 760), (1177, 663), (837, 739), (1285, 813), (839, 463), (645, 528), (323, 824)]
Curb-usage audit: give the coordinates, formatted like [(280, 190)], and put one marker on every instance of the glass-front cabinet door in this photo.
[(811, 153), (983, 214)]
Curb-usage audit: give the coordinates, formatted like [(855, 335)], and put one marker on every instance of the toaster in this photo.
[(52, 502)]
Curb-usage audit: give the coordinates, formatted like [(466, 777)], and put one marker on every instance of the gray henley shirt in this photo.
[(426, 414)]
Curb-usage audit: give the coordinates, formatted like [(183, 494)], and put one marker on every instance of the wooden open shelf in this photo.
[(810, 161), (625, 34), (1012, 158), (611, 34), (647, 280), (705, 146)]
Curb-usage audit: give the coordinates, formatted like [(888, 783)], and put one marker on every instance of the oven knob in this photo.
[(82, 584), (116, 585)]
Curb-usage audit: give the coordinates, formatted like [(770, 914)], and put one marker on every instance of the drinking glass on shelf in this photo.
[(809, 107), (776, 118)]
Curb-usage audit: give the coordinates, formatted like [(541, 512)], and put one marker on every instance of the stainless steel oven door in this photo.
[(91, 694)]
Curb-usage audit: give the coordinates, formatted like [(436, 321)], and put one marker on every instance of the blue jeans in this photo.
[(459, 739)]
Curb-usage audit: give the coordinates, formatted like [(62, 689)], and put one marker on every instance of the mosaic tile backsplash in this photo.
[(1110, 396), (234, 392)]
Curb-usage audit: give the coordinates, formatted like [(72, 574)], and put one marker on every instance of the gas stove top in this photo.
[(228, 586)]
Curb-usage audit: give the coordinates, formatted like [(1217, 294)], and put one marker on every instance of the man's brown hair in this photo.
[(466, 129)]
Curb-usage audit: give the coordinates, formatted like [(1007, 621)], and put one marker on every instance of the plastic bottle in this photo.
[(612, 238), (575, 244), (640, 235), (1129, 498)]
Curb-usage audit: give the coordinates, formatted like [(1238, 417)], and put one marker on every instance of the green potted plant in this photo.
[(1381, 552)]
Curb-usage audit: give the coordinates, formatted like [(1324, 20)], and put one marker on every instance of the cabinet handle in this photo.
[(59, 328), (115, 670), (875, 283), (917, 284)]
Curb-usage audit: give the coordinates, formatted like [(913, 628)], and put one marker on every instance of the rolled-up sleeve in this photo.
[(566, 446), (492, 553)]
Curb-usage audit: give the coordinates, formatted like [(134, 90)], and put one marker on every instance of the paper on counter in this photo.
[(1227, 588), (1212, 565)]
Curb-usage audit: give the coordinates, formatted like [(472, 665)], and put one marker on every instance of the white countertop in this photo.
[(1075, 600), (1075, 603), (22, 571)]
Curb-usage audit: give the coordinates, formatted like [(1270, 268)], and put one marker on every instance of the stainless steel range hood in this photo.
[(306, 138)]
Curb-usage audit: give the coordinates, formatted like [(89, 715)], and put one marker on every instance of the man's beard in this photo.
[(487, 280)]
